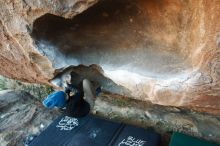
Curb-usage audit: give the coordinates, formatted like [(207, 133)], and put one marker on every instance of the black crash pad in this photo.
[(97, 132), (86, 131), (60, 131), (135, 136), (93, 131)]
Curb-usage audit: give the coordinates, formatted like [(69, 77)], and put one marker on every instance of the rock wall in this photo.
[(166, 52), (19, 57), (22, 116)]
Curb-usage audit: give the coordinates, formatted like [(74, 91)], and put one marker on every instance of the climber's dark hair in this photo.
[(75, 78)]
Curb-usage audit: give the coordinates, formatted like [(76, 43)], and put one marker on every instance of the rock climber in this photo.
[(77, 99)]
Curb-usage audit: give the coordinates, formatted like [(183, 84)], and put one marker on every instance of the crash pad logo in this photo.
[(131, 141), (67, 123)]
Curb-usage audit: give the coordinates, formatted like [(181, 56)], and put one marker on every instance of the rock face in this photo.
[(162, 119), (19, 58), (21, 115), (166, 52)]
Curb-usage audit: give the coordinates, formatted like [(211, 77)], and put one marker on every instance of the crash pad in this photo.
[(136, 136), (97, 132), (179, 139), (86, 131), (94, 131), (60, 131)]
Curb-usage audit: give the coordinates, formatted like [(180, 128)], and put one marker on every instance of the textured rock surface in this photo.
[(19, 58), (162, 119), (21, 115), (166, 52)]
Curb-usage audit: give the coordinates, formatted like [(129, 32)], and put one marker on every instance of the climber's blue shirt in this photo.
[(56, 99)]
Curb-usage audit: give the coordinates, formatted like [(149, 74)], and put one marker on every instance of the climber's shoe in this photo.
[(98, 90)]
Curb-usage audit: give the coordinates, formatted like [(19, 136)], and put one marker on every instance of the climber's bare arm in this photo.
[(89, 92)]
